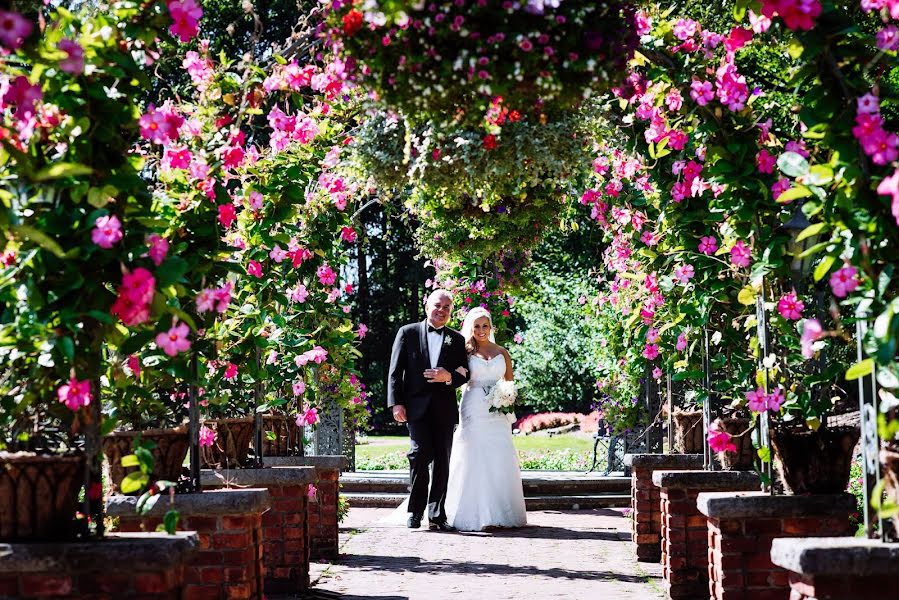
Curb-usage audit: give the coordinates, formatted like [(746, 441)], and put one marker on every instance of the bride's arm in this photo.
[(508, 375)]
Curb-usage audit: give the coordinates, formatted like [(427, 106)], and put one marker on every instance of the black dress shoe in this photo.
[(441, 526), (414, 521)]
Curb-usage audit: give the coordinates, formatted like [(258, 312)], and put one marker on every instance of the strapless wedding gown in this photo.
[(485, 477)]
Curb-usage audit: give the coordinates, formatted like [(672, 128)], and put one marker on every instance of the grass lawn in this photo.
[(562, 452)]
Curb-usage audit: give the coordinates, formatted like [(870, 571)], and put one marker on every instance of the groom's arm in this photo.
[(395, 374)]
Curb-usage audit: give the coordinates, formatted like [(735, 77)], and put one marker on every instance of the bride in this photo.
[(485, 479)]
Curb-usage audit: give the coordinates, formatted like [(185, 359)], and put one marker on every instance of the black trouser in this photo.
[(431, 440)]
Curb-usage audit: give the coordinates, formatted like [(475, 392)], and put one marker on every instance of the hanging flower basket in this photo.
[(39, 495), (232, 443), (744, 458), (688, 437), (814, 462), (168, 455), (446, 60)]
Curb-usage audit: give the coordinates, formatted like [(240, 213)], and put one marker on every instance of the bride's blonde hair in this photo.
[(471, 344)]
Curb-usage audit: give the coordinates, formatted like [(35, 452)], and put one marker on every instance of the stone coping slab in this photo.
[(207, 503), (707, 480), (664, 461), (5, 550), (139, 551), (838, 556), (265, 477), (761, 505), (324, 461)]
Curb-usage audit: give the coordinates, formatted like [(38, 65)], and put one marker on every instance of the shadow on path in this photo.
[(326, 595), (414, 564), (555, 533)]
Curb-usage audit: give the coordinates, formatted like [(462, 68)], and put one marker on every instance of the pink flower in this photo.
[(797, 14), (256, 200), (708, 245), (107, 231), (7, 258), (888, 38), (299, 388), (720, 441), (223, 298), (135, 295), (272, 357), (348, 234), (684, 273), (702, 92), (311, 491), (326, 275), (776, 399), (811, 333), (186, 15), (206, 300), (232, 157), (227, 214), (230, 371), (518, 338), (651, 351), (207, 436), (652, 336), (73, 64), (174, 340), (740, 254), (844, 281), (14, 28), (298, 294), (657, 373), (757, 400), (177, 157), (277, 254), (254, 268), (681, 342), (158, 248), (75, 394), (780, 186), (133, 364), (674, 100), (765, 161), (361, 331), (890, 187), (790, 307)]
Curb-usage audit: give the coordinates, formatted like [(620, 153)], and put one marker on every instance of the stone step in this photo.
[(570, 502)]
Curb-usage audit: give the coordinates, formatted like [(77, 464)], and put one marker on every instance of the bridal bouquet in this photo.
[(501, 397)]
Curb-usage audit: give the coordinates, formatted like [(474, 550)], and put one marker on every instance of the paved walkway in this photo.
[(568, 555)]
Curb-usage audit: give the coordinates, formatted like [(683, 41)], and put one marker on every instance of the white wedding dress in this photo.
[(485, 478)]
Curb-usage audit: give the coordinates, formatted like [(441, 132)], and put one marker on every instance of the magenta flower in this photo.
[(702, 92), (174, 340), (107, 231), (657, 373), (888, 38), (277, 254), (681, 342), (776, 399), (796, 14), (811, 333), (299, 388), (652, 336), (207, 436), (186, 15), (720, 441), (326, 275), (651, 351), (298, 294), (790, 307), (740, 254), (254, 268), (765, 162), (135, 295), (158, 248), (780, 186), (757, 400), (14, 28), (227, 214), (844, 281), (361, 331), (133, 364), (708, 245), (518, 338), (311, 491), (73, 64), (684, 273), (890, 187), (75, 394), (348, 234), (230, 371)]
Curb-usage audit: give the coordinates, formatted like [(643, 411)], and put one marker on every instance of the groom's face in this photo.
[(438, 310)]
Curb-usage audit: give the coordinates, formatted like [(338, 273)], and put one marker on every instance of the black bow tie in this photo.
[(435, 329)]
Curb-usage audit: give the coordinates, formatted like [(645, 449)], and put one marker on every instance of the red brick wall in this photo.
[(284, 537), (842, 587), (739, 552), (119, 581), (646, 515), (228, 563), (684, 544), (322, 515)]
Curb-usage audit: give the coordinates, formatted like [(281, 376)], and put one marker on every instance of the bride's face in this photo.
[(481, 329)]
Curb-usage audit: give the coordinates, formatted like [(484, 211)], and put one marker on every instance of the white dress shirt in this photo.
[(435, 345)]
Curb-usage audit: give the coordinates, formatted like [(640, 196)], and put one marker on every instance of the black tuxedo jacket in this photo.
[(406, 384)]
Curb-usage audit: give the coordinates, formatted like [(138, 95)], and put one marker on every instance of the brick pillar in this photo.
[(838, 568), (685, 560), (126, 565), (322, 509), (228, 564), (285, 532), (645, 499), (741, 527)]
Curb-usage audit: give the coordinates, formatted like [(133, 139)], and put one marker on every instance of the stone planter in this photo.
[(39, 495), (232, 443), (286, 432), (168, 455), (744, 458), (814, 462), (145, 566), (688, 431)]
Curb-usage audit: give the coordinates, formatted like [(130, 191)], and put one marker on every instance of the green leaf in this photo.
[(819, 175), (813, 250), (810, 231), (764, 454), (794, 193), (746, 297), (40, 238), (170, 271), (134, 482), (145, 459), (130, 460), (60, 170), (136, 342), (823, 267), (67, 347), (792, 164), (860, 369), (170, 521), (108, 426)]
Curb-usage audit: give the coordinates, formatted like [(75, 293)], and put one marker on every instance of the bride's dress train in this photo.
[(485, 478)]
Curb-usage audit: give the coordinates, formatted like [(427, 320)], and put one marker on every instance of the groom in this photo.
[(426, 366)]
